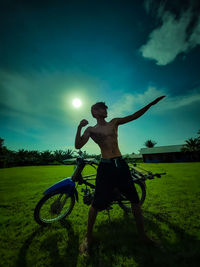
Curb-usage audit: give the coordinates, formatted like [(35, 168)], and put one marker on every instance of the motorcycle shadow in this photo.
[(48, 239)]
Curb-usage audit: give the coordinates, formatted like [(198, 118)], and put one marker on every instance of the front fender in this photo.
[(64, 186)]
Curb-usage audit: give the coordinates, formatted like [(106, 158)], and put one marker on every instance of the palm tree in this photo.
[(46, 157), (59, 155), (1, 142), (199, 135), (22, 157), (3, 154), (83, 154), (68, 154), (192, 145), (150, 143), (3, 149), (34, 157)]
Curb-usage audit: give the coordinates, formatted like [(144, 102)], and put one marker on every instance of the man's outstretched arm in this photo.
[(80, 141), (137, 114)]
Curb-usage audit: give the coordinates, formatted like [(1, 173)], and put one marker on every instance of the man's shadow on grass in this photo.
[(50, 245), (120, 238)]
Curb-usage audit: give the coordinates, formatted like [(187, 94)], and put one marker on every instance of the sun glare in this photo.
[(76, 102)]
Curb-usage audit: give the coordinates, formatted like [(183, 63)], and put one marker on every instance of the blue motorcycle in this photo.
[(59, 199)]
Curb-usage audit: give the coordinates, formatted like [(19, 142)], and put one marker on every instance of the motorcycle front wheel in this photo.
[(53, 207)]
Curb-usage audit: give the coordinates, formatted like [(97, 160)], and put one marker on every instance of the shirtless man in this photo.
[(112, 171)]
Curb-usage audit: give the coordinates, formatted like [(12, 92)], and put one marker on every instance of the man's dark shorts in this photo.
[(110, 175)]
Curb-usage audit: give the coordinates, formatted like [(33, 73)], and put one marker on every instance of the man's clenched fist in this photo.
[(83, 123)]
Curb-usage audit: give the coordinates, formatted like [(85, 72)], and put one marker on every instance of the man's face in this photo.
[(100, 112)]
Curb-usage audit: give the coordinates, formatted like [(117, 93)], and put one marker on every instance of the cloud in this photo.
[(25, 93), (131, 103), (172, 37), (38, 98), (177, 102), (125, 104), (149, 5)]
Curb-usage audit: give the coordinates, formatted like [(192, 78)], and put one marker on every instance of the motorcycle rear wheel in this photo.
[(141, 190)]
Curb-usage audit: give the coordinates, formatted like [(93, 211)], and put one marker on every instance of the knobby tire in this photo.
[(42, 202)]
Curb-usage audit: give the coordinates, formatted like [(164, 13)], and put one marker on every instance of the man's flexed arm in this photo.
[(80, 141), (137, 114)]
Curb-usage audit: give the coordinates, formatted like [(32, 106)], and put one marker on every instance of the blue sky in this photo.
[(124, 53)]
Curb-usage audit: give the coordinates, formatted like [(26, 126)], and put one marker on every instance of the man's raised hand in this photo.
[(157, 100), (83, 123)]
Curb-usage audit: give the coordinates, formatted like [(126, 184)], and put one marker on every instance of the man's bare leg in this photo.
[(88, 238), (137, 212)]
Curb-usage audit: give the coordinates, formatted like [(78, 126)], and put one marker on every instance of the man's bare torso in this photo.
[(106, 137)]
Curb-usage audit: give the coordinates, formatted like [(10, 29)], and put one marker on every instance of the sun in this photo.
[(76, 102)]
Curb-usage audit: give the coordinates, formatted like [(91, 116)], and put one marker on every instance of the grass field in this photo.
[(171, 214)]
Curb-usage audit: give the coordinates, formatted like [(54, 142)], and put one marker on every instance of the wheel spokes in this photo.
[(55, 207)]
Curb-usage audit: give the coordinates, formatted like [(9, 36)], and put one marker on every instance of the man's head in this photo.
[(99, 110)]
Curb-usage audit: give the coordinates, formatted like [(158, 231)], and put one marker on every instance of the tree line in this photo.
[(22, 157)]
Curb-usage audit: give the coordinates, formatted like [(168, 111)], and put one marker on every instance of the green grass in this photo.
[(171, 214)]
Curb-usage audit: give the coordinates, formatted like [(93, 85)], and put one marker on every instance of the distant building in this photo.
[(166, 154)]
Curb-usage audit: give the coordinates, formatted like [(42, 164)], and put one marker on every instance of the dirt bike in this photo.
[(59, 199)]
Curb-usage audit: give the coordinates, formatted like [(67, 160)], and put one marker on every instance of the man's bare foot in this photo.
[(85, 245), (151, 242), (146, 240)]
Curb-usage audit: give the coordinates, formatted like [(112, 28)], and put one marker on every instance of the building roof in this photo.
[(161, 149)]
